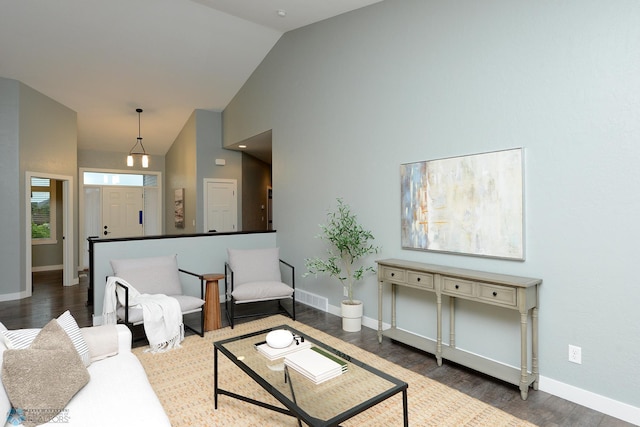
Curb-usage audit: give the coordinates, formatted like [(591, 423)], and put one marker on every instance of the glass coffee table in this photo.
[(326, 404)]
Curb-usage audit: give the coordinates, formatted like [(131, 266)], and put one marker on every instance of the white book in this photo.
[(321, 379), (276, 353), (316, 364)]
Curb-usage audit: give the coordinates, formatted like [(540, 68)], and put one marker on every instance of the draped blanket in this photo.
[(161, 314)]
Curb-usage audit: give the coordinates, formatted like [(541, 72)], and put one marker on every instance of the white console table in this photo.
[(512, 292)]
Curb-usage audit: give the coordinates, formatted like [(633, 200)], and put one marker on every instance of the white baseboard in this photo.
[(605, 405), (13, 296), (614, 408), (47, 268)]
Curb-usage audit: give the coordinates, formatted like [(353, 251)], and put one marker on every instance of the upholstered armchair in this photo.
[(254, 276), (156, 275)]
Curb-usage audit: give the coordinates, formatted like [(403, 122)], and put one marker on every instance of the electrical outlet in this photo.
[(346, 291), (575, 354)]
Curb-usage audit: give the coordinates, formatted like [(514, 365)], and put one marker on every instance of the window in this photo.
[(43, 211), (98, 178)]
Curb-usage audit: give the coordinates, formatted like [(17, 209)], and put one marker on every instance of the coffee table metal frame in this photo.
[(292, 409)]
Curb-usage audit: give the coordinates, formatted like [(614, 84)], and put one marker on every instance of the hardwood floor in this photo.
[(50, 299)]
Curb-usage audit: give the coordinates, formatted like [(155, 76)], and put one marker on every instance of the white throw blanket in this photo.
[(161, 314)]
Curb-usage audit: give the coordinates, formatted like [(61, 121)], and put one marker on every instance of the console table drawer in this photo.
[(421, 280), (457, 287), (393, 274), (497, 294)]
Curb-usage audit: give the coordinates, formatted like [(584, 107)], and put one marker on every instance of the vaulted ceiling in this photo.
[(105, 58)]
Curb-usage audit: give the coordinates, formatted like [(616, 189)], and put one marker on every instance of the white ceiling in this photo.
[(105, 58)]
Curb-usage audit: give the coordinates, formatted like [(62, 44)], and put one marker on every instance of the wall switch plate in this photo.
[(346, 292)]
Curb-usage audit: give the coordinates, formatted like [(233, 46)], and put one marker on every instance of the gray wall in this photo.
[(48, 144), (38, 134), (180, 162), (351, 98), (112, 160), (209, 143), (11, 253), (191, 159)]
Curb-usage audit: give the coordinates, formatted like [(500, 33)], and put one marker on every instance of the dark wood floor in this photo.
[(50, 299)]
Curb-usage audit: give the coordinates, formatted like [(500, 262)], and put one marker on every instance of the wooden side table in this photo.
[(212, 302)]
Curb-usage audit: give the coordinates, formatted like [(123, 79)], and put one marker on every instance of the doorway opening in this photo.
[(257, 176), (117, 203), (67, 219)]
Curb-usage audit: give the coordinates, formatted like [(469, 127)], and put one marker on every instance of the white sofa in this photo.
[(118, 392)]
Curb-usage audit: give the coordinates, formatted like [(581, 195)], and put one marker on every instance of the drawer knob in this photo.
[(418, 279), (457, 286), (393, 274), (495, 294)]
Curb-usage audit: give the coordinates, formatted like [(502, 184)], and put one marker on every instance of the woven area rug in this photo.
[(183, 381)]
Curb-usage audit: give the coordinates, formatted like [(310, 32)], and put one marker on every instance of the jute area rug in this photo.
[(183, 381)]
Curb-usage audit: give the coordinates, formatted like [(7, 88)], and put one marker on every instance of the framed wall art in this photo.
[(471, 205), (178, 213)]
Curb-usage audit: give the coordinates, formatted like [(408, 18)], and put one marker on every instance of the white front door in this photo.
[(122, 212), (220, 204)]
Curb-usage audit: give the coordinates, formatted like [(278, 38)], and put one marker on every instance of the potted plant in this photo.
[(348, 243)]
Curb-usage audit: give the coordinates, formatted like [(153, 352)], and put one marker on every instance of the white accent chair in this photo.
[(255, 276), (156, 275)]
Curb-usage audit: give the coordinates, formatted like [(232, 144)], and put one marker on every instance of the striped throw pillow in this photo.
[(19, 338), (70, 326), (22, 338)]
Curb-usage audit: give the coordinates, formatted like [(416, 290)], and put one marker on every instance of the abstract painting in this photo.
[(467, 205)]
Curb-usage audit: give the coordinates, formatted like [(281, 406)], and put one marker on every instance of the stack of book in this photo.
[(272, 353), (316, 364)]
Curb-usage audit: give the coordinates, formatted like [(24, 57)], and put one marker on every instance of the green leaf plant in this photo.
[(348, 242)]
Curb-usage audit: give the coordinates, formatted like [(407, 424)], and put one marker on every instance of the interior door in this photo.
[(221, 201), (122, 212)]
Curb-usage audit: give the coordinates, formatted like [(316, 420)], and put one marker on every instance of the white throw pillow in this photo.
[(22, 338), (255, 265), (101, 340)]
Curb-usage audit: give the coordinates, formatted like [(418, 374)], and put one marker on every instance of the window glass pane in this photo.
[(151, 180), (40, 215), (40, 182), (97, 178)]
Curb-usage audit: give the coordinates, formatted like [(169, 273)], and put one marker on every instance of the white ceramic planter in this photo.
[(352, 316)]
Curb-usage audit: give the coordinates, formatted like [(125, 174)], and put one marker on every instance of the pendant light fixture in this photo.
[(138, 151)]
